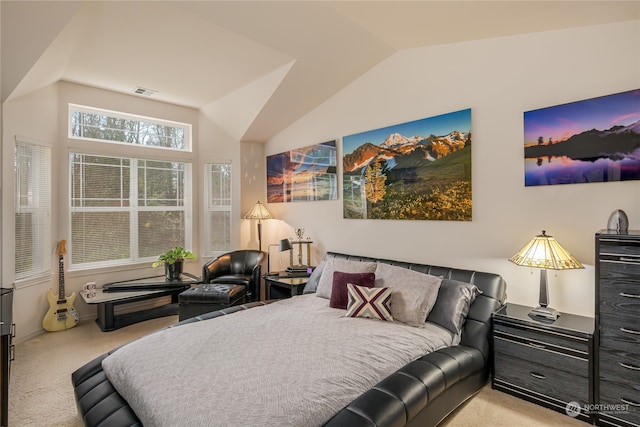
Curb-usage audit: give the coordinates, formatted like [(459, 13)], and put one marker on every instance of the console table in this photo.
[(137, 290)]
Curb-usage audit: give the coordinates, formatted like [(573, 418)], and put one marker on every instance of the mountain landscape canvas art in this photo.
[(303, 174), (419, 170), (595, 140)]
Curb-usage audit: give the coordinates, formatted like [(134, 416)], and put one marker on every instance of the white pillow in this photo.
[(338, 264), (414, 293)]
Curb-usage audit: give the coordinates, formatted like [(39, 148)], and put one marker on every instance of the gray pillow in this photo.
[(453, 303), (325, 285), (312, 284), (412, 293)]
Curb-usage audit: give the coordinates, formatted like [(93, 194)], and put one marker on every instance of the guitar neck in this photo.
[(61, 294)]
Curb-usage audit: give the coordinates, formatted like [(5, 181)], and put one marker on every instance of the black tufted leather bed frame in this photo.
[(421, 393)]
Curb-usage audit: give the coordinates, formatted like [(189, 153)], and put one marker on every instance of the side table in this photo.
[(284, 287), (550, 364)]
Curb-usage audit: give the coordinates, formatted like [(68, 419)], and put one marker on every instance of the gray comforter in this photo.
[(292, 363)]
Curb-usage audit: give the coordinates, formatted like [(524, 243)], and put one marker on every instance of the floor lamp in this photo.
[(259, 212)]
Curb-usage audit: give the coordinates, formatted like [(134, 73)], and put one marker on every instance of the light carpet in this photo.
[(40, 391)]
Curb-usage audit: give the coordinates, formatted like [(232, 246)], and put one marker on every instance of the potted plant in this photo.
[(173, 261)]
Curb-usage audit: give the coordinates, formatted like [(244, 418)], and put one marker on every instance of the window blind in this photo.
[(32, 206), (218, 215), (126, 209)]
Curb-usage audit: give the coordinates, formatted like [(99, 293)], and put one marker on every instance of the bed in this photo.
[(331, 356)]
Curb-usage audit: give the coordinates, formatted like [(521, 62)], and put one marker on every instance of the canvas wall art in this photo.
[(419, 170), (304, 174), (595, 140)]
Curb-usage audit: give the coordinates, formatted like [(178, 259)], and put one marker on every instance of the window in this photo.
[(110, 126), (218, 214), (32, 171), (126, 209)]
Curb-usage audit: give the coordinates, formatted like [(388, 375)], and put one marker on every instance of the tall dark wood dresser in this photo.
[(617, 314)]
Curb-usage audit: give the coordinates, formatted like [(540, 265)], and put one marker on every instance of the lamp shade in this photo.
[(285, 245), (258, 211), (544, 251)]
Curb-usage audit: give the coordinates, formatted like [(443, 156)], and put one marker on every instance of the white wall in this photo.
[(253, 176), (498, 79)]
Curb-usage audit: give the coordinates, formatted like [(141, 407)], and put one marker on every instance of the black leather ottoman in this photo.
[(209, 297)]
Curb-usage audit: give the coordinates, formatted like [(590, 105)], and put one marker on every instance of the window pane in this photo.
[(220, 235), (160, 183), (99, 237), (32, 208), (218, 207), (220, 185), (99, 181), (90, 123), (101, 189), (160, 231), (24, 243)]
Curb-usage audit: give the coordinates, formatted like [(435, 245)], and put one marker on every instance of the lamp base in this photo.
[(544, 313)]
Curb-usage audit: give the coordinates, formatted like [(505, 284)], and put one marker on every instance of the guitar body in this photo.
[(61, 314)]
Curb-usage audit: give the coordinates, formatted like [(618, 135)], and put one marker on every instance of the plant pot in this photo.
[(173, 271)]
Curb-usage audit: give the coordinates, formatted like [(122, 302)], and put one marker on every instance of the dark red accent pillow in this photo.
[(339, 295)]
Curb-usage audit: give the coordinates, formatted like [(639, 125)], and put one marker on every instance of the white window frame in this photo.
[(186, 128), (39, 204), (211, 207), (133, 208)]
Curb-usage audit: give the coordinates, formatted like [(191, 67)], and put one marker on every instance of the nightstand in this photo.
[(550, 364), (284, 287)]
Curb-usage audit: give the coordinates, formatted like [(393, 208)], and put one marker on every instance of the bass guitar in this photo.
[(61, 314)]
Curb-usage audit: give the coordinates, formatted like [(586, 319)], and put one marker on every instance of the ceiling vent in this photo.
[(143, 91)]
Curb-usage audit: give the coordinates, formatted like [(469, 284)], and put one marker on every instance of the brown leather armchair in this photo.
[(241, 267)]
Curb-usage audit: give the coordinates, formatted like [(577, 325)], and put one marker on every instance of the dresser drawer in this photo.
[(620, 366), (615, 271), (620, 332), (619, 297), (541, 339), (621, 399), (542, 370), (543, 355), (619, 248)]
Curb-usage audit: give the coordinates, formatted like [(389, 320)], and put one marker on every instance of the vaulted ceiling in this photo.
[(252, 67)]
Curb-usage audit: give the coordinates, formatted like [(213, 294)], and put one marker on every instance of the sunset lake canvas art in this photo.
[(419, 170), (595, 140)]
